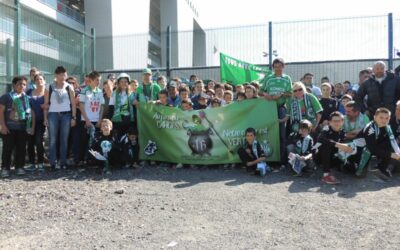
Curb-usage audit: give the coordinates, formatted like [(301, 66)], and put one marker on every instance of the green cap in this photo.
[(147, 71)]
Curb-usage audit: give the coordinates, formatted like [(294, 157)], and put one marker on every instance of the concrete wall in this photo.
[(168, 16), (99, 16)]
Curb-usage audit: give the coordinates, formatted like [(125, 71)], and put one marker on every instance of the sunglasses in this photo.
[(297, 90)]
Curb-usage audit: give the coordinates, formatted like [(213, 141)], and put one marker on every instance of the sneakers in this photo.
[(19, 171), (31, 168), (383, 175), (330, 179), (5, 173), (107, 171), (40, 167), (52, 168)]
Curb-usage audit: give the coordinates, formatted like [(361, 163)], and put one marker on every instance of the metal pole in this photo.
[(93, 31), (168, 51), (390, 41), (17, 38), (83, 58), (8, 60), (270, 45)]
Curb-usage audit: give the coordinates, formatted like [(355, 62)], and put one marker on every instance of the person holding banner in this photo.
[(277, 87), (148, 90), (198, 90), (250, 92)]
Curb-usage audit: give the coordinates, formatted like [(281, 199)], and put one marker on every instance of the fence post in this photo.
[(93, 31), (168, 66), (83, 57), (8, 60), (390, 41), (17, 38), (270, 45)]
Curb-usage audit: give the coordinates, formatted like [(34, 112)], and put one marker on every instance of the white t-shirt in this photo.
[(59, 99), (92, 102)]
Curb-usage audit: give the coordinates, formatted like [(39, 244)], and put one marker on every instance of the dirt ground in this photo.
[(200, 208)]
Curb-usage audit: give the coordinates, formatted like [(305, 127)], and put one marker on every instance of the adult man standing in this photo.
[(308, 82), (278, 87), (148, 90), (363, 75), (382, 88)]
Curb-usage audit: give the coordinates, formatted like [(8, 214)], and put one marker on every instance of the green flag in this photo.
[(236, 72), (210, 136)]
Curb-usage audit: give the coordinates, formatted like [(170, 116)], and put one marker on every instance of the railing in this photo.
[(7, 26), (62, 8)]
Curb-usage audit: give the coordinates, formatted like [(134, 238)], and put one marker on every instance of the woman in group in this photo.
[(35, 141), (303, 105), (59, 116), (121, 106)]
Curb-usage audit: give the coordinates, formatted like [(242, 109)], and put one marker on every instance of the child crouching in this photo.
[(299, 148), (130, 148), (252, 154), (105, 148)]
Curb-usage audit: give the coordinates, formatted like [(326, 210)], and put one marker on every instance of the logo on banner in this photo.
[(150, 148)]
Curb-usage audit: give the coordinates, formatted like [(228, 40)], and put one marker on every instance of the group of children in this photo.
[(331, 149), (106, 122)]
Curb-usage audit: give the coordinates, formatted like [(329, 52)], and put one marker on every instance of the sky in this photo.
[(337, 39), (225, 13)]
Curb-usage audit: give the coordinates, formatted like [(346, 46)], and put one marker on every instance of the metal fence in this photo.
[(337, 48)]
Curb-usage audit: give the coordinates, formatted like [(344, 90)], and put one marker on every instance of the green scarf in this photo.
[(24, 113), (392, 139), (254, 149), (32, 85), (117, 116), (359, 123), (145, 96), (295, 112), (301, 149)]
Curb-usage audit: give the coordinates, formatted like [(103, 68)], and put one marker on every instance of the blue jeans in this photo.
[(59, 124)]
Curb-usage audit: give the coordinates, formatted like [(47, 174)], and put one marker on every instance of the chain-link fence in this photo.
[(337, 48)]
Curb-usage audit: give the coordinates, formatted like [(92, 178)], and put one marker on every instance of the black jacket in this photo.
[(385, 94)]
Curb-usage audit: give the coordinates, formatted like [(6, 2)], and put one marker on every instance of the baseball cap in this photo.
[(147, 71)]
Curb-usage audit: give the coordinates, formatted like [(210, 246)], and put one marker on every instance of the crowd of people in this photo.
[(340, 125)]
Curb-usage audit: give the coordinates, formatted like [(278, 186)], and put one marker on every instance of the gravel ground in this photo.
[(162, 208)]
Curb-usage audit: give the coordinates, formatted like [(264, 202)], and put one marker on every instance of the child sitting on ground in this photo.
[(299, 148), (252, 154)]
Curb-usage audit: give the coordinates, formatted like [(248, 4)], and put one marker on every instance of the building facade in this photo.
[(132, 34)]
